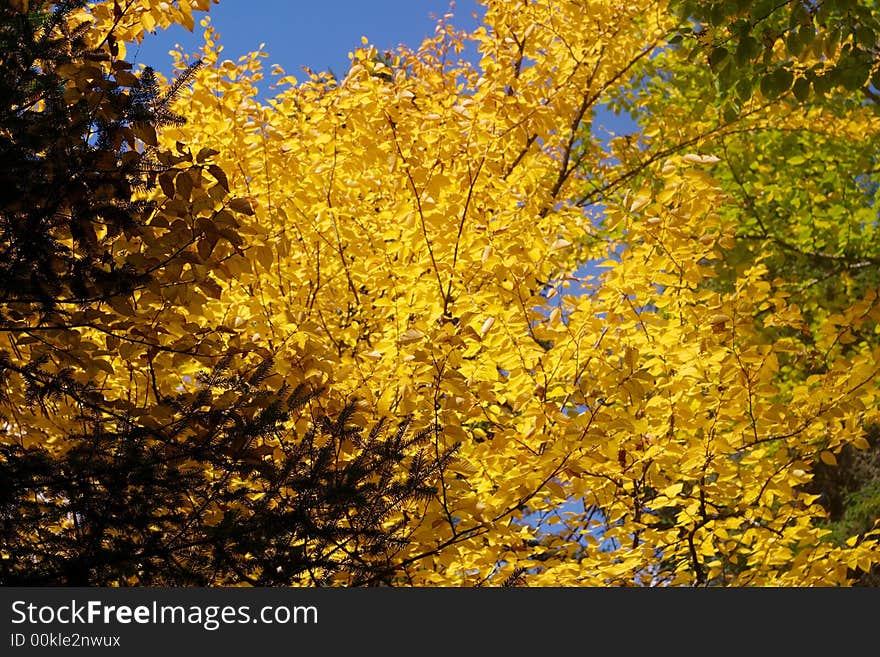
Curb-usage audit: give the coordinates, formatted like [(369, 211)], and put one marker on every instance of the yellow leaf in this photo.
[(693, 158), (410, 336), (673, 490)]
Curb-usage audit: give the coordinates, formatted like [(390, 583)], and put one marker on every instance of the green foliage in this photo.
[(777, 47)]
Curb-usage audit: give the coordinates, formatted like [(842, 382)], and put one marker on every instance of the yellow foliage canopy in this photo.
[(413, 235)]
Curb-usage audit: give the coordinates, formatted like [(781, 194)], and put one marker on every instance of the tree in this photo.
[(799, 175), (421, 247), (795, 46), (414, 235), (142, 444)]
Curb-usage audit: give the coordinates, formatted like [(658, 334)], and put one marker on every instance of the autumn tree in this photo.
[(141, 444), (799, 171), (424, 248), (639, 382)]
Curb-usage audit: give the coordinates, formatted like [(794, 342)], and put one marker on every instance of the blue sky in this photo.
[(318, 34)]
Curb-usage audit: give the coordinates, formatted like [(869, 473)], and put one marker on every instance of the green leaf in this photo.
[(747, 50), (730, 112), (717, 57), (822, 84), (865, 37), (801, 89), (793, 43), (776, 83), (744, 89)]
